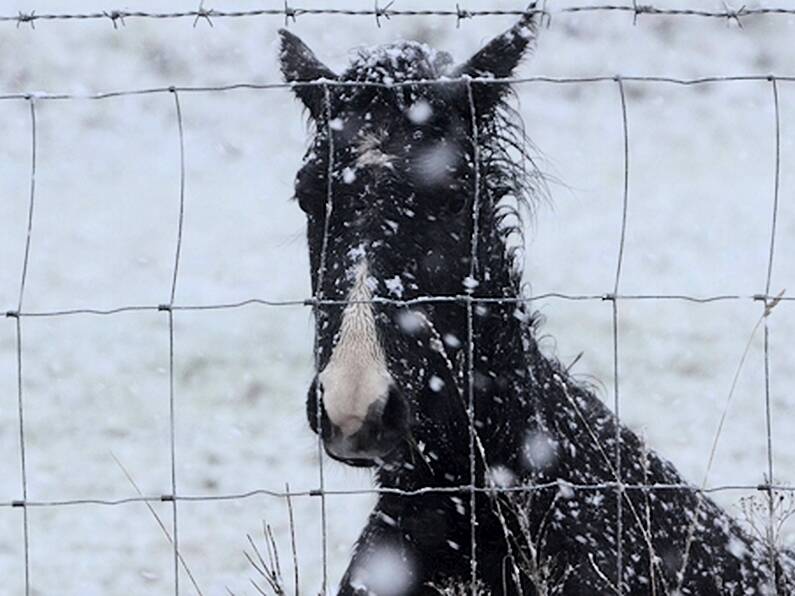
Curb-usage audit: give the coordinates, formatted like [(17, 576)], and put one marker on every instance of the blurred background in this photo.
[(702, 167)]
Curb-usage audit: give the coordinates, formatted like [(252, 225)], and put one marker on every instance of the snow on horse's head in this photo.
[(409, 187)]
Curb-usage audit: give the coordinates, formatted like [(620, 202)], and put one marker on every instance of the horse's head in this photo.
[(388, 188)]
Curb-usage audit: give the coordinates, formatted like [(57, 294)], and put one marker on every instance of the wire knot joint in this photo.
[(27, 17), (461, 14), (116, 17), (204, 13), (289, 13), (382, 12)]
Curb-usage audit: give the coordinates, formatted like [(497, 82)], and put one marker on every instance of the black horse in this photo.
[(499, 472)]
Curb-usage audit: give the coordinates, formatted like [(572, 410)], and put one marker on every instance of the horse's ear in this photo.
[(500, 57), (299, 64)]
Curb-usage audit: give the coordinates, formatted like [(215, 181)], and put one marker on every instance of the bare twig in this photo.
[(269, 571), (293, 546), (160, 523)]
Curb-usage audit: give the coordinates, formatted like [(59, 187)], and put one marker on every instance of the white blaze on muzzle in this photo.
[(356, 376)]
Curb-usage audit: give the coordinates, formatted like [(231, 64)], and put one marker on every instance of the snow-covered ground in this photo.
[(700, 205)]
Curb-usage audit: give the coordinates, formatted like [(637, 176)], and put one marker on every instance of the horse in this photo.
[(497, 472)]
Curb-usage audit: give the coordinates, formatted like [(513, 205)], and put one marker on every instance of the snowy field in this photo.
[(700, 204)]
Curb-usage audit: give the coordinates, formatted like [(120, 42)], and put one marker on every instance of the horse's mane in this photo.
[(511, 187)]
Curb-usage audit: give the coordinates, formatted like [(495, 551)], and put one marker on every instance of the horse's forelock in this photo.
[(397, 62)]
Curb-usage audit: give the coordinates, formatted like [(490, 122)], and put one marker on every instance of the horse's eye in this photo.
[(455, 203), (310, 197), (310, 189), (306, 203), (453, 199)]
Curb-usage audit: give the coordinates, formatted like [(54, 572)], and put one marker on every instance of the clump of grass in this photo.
[(269, 579), (268, 567), (765, 515)]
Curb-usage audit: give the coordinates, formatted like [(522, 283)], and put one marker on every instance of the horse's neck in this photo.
[(535, 394)]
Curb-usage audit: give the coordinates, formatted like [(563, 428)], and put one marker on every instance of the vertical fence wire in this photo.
[(471, 285), (473, 518), (22, 456), (768, 306), (776, 185), (614, 304), (768, 280), (319, 294), (18, 327), (170, 311)]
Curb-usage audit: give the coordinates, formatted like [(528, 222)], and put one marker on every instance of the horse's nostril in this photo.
[(315, 411), (395, 415)]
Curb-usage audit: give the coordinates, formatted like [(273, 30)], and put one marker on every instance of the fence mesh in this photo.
[(767, 298)]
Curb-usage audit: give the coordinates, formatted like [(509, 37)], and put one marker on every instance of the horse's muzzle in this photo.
[(385, 427)]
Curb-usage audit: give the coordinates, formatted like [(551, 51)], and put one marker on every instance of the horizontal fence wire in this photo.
[(48, 96), (289, 13), (399, 303), (768, 299), (461, 489)]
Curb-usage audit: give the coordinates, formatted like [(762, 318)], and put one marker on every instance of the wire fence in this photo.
[(766, 298), (289, 13)]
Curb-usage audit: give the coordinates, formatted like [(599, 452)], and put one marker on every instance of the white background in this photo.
[(700, 205)]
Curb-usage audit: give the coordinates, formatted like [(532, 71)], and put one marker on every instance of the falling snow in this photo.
[(385, 572), (451, 341), (420, 112), (470, 283), (348, 175), (395, 286), (539, 450), (502, 476), (410, 322)]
